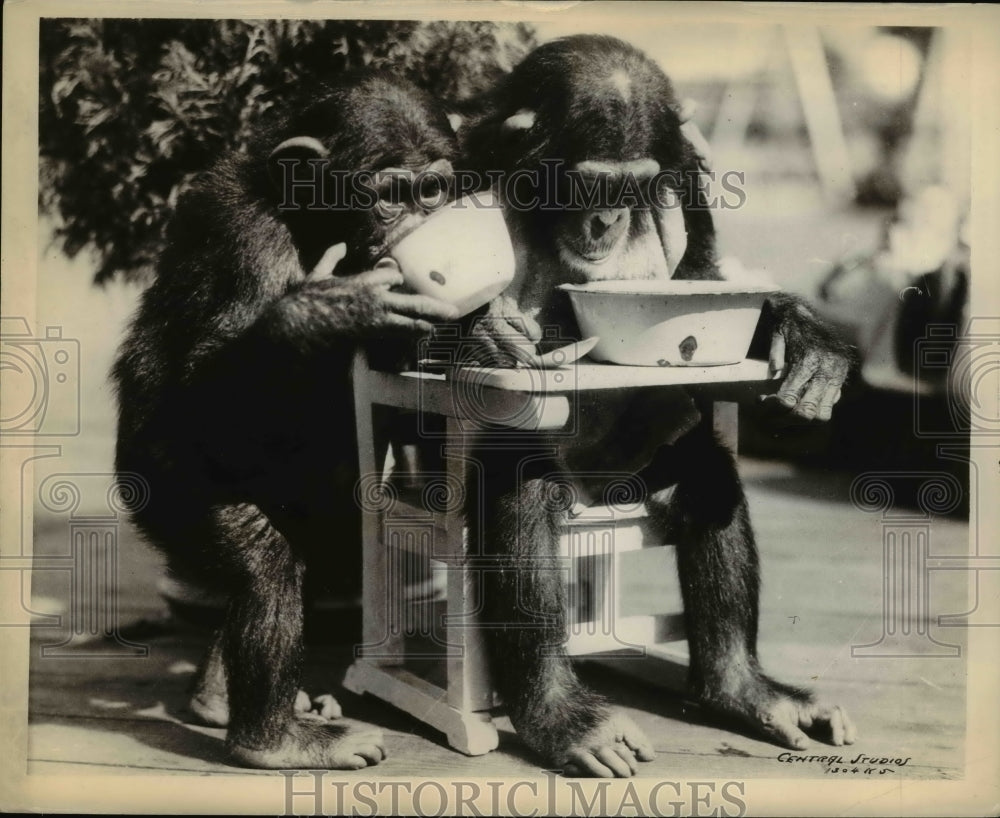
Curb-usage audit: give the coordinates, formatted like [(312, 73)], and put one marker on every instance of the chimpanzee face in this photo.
[(401, 198), (629, 226), (603, 117), (370, 209), (370, 169)]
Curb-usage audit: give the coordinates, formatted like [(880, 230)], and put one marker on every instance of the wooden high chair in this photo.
[(427, 656)]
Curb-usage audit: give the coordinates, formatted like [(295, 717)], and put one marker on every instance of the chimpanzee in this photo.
[(234, 390), (595, 108)]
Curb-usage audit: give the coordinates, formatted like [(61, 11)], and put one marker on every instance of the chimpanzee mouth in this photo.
[(596, 258), (592, 256)]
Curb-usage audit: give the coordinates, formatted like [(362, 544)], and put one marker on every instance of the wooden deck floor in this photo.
[(822, 593)]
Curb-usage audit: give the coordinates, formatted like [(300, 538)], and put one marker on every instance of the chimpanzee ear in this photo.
[(523, 120), (300, 148)]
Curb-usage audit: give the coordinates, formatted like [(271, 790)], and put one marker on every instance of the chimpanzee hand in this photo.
[(364, 305), (815, 363), (503, 337)]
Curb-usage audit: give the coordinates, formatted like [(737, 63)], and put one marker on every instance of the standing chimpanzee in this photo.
[(234, 388), (594, 108)]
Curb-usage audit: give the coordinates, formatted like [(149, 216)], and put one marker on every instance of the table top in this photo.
[(587, 374)]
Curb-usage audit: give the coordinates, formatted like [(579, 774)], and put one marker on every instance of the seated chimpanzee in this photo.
[(596, 107), (235, 398)]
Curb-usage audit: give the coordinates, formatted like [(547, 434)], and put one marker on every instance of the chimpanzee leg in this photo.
[(552, 711), (261, 642), (210, 698), (707, 517)]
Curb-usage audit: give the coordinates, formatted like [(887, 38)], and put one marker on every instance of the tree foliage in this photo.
[(131, 111)]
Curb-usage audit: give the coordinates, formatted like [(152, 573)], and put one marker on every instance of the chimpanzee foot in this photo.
[(608, 750), (788, 716), (212, 708), (789, 722), (310, 743)]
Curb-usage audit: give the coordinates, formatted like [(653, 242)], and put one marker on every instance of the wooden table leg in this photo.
[(377, 668), (381, 639), (469, 684)]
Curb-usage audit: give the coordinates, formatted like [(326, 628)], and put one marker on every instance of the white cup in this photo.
[(462, 254)]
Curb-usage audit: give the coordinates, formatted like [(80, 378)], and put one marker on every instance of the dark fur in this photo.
[(234, 393), (579, 116)]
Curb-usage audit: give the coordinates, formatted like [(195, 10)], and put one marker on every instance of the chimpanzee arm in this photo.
[(235, 293), (244, 314)]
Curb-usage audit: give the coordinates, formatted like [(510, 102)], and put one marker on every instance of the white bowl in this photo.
[(668, 322), (462, 254)]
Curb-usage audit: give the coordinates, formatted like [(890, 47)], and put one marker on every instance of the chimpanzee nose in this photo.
[(604, 220)]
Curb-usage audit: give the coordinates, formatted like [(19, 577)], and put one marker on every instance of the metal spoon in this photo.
[(565, 355)]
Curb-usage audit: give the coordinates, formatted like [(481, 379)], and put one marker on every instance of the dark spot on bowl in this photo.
[(663, 362), (687, 347), (437, 278)]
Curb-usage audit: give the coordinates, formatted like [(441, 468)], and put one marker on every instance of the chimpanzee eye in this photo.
[(431, 190), (389, 211)]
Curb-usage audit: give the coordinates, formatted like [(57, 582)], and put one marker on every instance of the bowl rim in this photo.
[(668, 286)]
